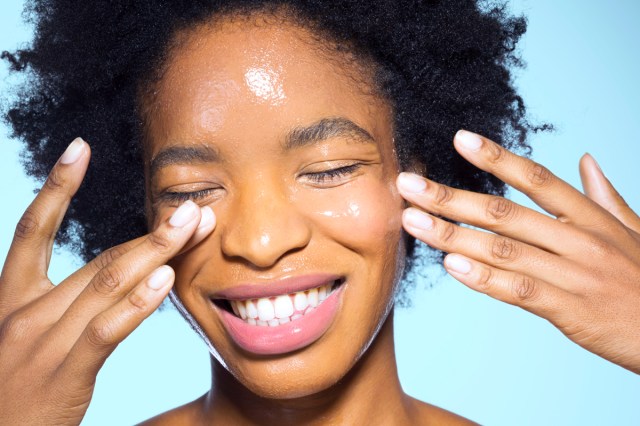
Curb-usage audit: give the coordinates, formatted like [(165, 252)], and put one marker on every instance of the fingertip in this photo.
[(207, 219), (468, 141), (457, 264), (161, 278), (74, 151)]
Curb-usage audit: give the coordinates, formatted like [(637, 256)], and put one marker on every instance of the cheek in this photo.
[(364, 215)]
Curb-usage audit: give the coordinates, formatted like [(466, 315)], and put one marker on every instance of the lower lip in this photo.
[(286, 337)]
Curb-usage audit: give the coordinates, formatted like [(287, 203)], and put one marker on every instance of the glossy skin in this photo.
[(237, 91), (53, 340)]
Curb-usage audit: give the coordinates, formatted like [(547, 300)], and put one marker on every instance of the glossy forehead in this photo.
[(241, 69)]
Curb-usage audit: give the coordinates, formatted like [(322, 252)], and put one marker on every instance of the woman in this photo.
[(294, 135)]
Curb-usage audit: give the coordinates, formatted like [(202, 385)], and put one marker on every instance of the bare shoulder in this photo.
[(427, 414), (187, 414)]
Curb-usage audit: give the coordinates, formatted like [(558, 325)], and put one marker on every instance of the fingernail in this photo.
[(160, 278), (469, 140), (417, 219), (410, 182), (184, 214), (207, 218), (73, 151), (457, 264)]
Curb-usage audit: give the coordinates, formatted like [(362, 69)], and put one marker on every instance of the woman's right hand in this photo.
[(55, 339)]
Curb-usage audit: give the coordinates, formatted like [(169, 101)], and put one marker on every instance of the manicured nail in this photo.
[(73, 151), (469, 140), (160, 278), (457, 264), (207, 218), (184, 214), (417, 219), (410, 182)]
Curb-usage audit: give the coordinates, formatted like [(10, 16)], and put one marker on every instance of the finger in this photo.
[(548, 191), (493, 213), (531, 294), (57, 301), (30, 252), (115, 280), (598, 188), (492, 249), (49, 307), (103, 334)]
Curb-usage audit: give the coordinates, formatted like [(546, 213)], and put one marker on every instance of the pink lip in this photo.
[(286, 337), (275, 288)]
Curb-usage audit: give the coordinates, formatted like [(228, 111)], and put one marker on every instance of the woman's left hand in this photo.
[(579, 269)]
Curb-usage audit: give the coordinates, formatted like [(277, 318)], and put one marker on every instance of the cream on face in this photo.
[(299, 169)]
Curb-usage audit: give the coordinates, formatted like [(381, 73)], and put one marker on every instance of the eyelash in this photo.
[(317, 177), (327, 175), (181, 197)]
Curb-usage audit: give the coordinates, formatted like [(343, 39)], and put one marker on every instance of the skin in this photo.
[(276, 218), (580, 269)]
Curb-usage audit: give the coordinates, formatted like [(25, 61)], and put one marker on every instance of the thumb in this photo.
[(598, 188)]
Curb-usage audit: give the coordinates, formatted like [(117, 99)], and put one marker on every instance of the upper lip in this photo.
[(286, 285)]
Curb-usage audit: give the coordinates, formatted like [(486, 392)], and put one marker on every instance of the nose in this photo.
[(263, 226)]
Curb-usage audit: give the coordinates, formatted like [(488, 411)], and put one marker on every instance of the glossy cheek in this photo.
[(363, 216)]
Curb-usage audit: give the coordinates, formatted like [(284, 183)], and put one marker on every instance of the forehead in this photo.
[(260, 78)]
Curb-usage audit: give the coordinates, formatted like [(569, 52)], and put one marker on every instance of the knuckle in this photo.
[(15, 327), (106, 257), (100, 333), (443, 195), (600, 248), (161, 243), (28, 225), (538, 176), (524, 288), (55, 181), (495, 153), (504, 249), (447, 232), (485, 281), (137, 301), (500, 210), (108, 280)]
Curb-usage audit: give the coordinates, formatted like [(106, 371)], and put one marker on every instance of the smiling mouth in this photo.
[(277, 310)]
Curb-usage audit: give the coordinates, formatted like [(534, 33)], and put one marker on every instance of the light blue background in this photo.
[(488, 361)]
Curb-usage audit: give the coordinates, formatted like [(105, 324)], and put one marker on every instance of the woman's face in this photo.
[(287, 144)]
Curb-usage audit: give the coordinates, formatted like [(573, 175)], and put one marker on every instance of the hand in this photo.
[(55, 339), (579, 269)]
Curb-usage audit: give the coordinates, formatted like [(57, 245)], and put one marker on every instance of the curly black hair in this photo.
[(444, 65)]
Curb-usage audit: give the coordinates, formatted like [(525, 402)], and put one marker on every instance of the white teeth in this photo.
[(234, 306), (266, 311), (252, 310), (283, 306), (312, 297), (282, 309), (242, 309), (274, 323), (300, 301)]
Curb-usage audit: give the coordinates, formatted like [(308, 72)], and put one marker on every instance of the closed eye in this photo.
[(332, 175), (181, 197)]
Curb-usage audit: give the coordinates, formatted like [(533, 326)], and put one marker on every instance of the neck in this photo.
[(370, 393)]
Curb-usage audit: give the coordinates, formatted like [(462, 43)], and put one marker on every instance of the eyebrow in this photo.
[(298, 137), (183, 155), (324, 129)]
